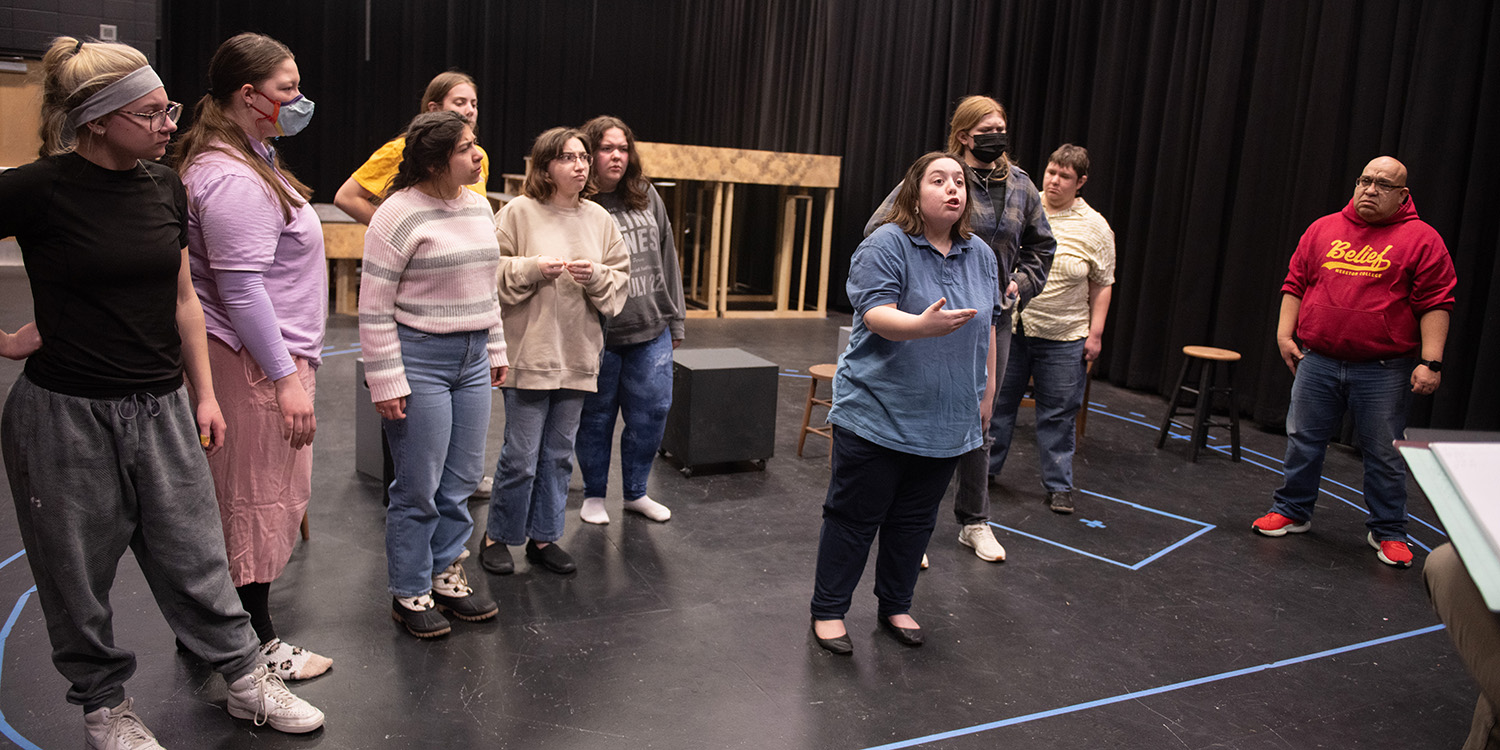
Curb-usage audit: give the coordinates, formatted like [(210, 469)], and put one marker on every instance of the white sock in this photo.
[(593, 511), (649, 508)]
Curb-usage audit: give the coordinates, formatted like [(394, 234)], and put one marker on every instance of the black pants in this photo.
[(876, 489)]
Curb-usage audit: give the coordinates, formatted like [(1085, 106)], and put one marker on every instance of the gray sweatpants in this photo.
[(91, 477), (971, 503)]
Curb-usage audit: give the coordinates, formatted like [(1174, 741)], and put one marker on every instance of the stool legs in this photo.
[(812, 393), (1166, 422), (1200, 411), (1202, 408), (1234, 416)]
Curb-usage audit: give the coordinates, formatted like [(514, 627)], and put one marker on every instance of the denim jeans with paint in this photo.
[(635, 381)]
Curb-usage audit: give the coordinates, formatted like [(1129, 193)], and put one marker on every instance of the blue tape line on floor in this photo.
[(10, 622), (1093, 407), (1154, 691)]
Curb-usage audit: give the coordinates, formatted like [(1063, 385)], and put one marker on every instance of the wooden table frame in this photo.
[(707, 266)]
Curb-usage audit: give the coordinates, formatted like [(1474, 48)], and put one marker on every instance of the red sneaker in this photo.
[(1275, 524), (1391, 551)]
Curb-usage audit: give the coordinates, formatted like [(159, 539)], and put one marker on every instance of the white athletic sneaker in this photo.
[(649, 508), (117, 728), (486, 486), (291, 662), (979, 536), (593, 511), (262, 697)]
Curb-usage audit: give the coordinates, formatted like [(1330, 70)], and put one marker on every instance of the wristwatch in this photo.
[(1432, 364)]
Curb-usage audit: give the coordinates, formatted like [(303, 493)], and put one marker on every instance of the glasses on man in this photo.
[(1381, 186), (567, 157), (159, 119)]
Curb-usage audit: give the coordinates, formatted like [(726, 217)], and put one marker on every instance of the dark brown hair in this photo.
[(632, 187), (430, 140), (1073, 157), (548, 146), (241, 59), (906, 211)]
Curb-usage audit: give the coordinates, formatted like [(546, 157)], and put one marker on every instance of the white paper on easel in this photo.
[(1474, 469)]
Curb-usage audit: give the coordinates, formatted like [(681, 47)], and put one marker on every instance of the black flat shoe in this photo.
[(907, 636), (495, 558), (551, 557), (840, 645)]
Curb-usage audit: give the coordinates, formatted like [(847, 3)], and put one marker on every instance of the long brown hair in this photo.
[(632, 187), (73, 71), (906, 210), (241, 59)]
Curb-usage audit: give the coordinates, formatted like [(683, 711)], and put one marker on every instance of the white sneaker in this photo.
[(924, 561), (486, 486), (593, 511), (262, 697), (117, 728), (649, 508), (979, 536), (291, 662)]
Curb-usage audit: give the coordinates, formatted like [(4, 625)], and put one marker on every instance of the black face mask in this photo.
[(989, 146)]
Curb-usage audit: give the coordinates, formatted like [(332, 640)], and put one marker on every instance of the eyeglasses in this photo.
[(569, 158), (158, 119), (1381, 186)]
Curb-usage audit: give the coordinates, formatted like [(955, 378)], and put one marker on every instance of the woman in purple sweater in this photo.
[(256, 249)]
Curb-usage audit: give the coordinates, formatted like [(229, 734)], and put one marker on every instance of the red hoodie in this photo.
[(1363, 286)]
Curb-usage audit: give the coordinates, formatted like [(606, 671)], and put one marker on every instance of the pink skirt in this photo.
[(262, 484)]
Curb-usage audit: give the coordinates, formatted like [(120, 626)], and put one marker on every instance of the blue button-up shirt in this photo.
[(1016, 228), (920, 396)]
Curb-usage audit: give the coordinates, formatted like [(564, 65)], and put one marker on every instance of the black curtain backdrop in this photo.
[(1218, 130)]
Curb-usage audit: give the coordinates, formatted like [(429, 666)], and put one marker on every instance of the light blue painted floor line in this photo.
[(10, 622), (976, 729), (1093, 407)]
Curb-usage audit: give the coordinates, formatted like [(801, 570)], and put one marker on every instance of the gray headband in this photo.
[(134, 85)]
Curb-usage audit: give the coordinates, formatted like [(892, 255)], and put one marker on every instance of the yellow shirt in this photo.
[(378, 170)]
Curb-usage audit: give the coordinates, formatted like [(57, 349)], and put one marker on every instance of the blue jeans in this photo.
[(1378, 393), (438, 453), (536, 461), (1058, 371), (635, 381)]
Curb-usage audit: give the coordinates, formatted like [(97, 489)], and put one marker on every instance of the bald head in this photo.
[(1380, 190)]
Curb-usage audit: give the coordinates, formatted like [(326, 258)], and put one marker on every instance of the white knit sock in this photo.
[(593, 511)]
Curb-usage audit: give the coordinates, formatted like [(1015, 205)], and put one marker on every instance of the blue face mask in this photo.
[(291, 117)]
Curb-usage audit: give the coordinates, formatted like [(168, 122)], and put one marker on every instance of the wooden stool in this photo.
[(817, 374), (1201, 403)]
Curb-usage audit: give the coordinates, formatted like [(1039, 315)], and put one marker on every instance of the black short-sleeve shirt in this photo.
[(102, 250)]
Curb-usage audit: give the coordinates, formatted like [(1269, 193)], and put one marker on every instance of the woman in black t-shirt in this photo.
[(103, 441)]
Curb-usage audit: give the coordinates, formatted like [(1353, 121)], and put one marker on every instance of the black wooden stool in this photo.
[(1202, 394)]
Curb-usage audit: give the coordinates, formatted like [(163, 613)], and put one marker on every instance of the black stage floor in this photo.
[(1153, 618)]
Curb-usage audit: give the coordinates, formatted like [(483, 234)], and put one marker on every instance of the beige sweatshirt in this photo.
[(553, 327)]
